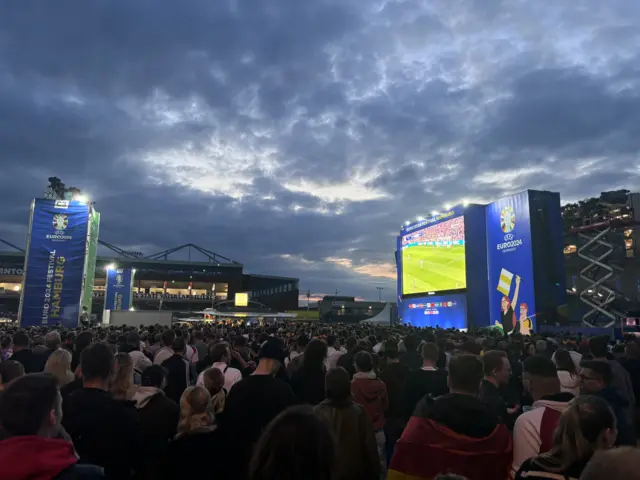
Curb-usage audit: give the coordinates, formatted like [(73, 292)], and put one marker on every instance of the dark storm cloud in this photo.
[(296, 136)]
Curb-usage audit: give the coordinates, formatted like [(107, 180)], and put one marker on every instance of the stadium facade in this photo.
[(164, 282)]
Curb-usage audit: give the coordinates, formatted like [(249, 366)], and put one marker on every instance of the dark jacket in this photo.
[(458, 434), (308, 385), (189, 456), (158, 418), (626, 433), (413, 360), (177, 377), (104, 431), (29, 360), (31, 457), (357, 454), (395, 377), (421, 383), (347, 361), (491, 395)]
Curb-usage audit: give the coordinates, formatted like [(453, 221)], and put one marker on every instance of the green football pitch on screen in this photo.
[(427, 268)]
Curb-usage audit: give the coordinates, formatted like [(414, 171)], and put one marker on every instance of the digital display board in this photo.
[(444, 311), (433, 257)]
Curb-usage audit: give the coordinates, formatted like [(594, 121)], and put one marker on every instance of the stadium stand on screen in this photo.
[(433, 258)]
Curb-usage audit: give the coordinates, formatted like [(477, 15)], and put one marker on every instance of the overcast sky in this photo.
[(295, 136)]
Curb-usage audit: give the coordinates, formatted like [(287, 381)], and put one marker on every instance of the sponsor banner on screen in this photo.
[(510, 265), (118, 294), (55, 263), (445, 311), (433, 254)]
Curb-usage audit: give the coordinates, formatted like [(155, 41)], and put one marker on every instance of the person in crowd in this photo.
[(213, 382), (428, 380), (596, 378), (195, 414), (166, 352), (614, 464), (23, 354), (121, 386), (158, 418), (9, 370), (132, 347), (240, 357), (411, 358), (348, 359), (103, 430), (296, 445), (620, 379), (83, 340), (178, 368), (631, 364), (308, 382), (30, 413), (356, 449), (456, 432), (371, 392), (542, 348), (256, 400), (568, 373), (190, 352), (220, 355), (496, 373), (190, 452), (200, 344), (59, 365), (533, 430), (52, 342), (395, 376), (297, 352), (334, 352), (588, 425), (6, 348)]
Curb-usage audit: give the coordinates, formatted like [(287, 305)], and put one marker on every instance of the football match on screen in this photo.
[(433, 258)]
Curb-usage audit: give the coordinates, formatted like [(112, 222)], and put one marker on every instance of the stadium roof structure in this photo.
[(209, 256), (212, 257)]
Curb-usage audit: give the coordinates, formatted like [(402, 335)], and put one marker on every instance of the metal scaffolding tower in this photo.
[(600, 272)]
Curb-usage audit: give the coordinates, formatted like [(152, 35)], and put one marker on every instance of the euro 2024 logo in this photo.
[(60, 222), (507, 225)]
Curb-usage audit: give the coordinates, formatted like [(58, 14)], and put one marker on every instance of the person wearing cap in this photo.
[(158, 418), (256, 400)]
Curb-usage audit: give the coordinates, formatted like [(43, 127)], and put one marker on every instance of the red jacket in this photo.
[(371, 393)]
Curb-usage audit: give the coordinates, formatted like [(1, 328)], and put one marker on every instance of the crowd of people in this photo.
[(447, 231), (305, 401)]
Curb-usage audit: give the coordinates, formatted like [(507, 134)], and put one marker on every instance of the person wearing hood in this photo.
[(158, 418), (596, 379), (456, 433), (533, 430), (371, 392), (620, 379), (30, 413), (357, 452)]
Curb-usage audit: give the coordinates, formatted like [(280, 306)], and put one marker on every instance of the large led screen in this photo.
[(444, 311), (433, 258)]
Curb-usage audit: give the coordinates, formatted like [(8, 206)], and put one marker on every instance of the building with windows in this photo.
[(341, 309), (164, 282)]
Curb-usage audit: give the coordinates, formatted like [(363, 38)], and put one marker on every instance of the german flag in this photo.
[(427, 449)]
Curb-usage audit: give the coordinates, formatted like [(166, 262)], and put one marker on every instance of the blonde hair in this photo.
[(579, 433), (194, 410), (122, 381), (59, 365)]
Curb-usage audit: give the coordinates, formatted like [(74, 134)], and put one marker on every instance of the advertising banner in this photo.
[(90, 264), (444, 311), (119, 286), (54, 263), (510, 265)]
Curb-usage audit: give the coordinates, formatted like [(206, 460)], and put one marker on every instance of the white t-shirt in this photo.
[(231, 375)]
